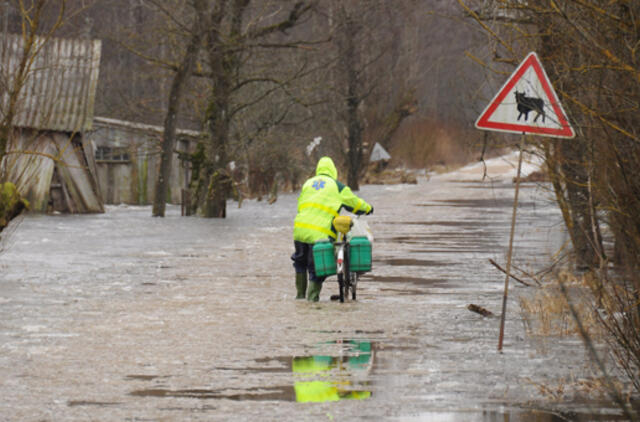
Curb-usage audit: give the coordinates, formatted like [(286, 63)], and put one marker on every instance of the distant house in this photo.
[(48, 157), (127, 156)]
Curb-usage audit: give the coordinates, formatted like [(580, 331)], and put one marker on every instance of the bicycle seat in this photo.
[(342, 223)]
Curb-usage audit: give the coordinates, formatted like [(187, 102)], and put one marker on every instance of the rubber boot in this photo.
[(301, 285), (313, 294)]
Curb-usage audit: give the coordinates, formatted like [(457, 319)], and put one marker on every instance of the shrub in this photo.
[(11, 203)]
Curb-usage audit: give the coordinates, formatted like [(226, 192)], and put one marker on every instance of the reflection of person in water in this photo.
[(322, 391)]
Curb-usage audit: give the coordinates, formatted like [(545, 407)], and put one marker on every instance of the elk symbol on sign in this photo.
[(526, 104)]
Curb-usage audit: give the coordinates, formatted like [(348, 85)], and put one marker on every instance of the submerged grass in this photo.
[(581, 305), (547, 313), (572, 388)]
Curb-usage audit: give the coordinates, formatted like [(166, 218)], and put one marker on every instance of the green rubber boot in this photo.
[(314, 291), (301, 285)]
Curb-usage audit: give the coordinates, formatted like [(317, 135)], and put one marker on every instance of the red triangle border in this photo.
[(483, 122)]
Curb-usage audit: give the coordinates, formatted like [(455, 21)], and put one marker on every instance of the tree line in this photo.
[(590, 51), (260, 79)]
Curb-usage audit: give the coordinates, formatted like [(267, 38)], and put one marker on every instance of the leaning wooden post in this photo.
[(513, 226)]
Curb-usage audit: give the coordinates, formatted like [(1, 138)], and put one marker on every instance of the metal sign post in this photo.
[(509, 253)]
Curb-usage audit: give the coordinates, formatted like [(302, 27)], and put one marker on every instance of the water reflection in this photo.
[(322, 378)]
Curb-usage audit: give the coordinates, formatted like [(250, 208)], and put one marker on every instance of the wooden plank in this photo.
[(75, 175), (30, 167)]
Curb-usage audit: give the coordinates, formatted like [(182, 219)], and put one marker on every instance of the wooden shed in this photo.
[(127, 156), (48, 157)]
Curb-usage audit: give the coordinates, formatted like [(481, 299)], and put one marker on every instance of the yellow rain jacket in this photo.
[(320, 201)]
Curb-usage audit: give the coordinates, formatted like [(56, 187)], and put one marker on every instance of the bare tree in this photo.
[(368, 101), (229, 42), (13, 79), (175, 96)]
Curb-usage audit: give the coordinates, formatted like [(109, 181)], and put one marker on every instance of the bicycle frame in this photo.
[(347, 280), (342, 260)]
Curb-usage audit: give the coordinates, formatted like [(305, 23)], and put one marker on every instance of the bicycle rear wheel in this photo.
[(342, 287), (347, 288), (354, 284), (348, 276)]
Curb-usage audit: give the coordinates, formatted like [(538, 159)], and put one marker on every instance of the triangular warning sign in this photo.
[(379, 153), (527, 103)]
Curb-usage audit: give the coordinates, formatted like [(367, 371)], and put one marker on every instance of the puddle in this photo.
[(477, 203), (283, 365), (523, 185), (335, 373), (324, 378), (403, 292), (452, 250), (467, 223), (359, 332), (408, 262), (369, 332), (74, 403), (143, 377), (403, 279), (439, 237), (281, 393), (479, 182)]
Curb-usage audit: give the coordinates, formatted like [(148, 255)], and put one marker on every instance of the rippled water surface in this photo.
[(121, 316)]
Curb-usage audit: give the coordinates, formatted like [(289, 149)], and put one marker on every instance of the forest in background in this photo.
[(418, 92)]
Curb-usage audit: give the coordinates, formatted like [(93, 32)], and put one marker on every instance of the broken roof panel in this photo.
[(141, 127), (60, 88)]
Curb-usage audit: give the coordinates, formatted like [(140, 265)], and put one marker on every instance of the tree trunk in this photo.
[(19, 77), (348, 58), (170, 122), (569, 168), (570, 185), (214, 184), (225, 45), (354, 128)]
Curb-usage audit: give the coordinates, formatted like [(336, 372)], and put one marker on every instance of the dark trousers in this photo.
[(303, 260)]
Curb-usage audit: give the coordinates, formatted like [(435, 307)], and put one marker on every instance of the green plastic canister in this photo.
[(324, 259), (360, 257)]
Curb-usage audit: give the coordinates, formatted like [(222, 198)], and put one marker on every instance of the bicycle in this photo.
[(347, 257), (347, 277)]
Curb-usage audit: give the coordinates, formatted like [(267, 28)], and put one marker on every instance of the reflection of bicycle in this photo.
[(347, 257)]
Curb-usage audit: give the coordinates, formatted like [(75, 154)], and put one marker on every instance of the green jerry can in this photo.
[(360, 254), (324, 259)]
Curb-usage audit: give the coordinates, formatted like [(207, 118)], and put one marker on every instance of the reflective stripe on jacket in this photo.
[(320, 201)]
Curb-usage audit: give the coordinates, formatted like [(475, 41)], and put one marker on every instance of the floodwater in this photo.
[(125, 317)]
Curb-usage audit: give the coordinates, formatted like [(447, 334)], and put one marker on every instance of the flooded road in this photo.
[(124, 317)]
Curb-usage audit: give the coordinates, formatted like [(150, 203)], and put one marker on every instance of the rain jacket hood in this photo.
[(327, 168), (320, 201)]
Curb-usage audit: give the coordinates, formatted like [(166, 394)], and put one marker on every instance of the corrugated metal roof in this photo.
[(60, 90)]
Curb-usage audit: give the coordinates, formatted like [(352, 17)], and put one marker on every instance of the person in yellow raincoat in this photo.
[(320, 201)]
